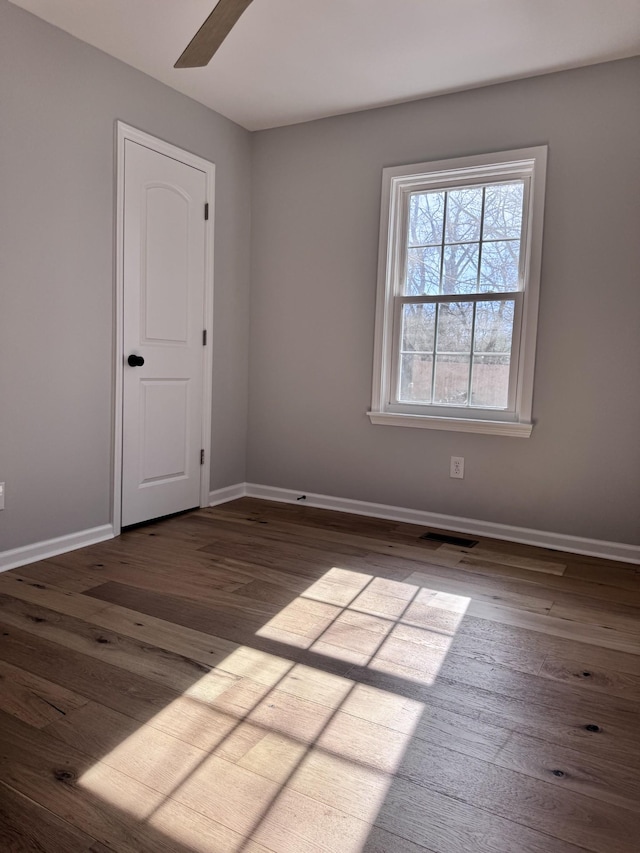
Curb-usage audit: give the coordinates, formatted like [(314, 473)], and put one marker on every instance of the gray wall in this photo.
[(315, 220), (316, 197), (59, 99)]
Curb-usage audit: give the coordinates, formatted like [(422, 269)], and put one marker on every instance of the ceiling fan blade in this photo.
[(212, 33)]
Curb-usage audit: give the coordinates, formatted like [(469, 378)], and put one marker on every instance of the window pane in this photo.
[(455, 322), (423, 271), (492, 356), (415, 378), (503, 211), (499, 267), (494, 327), (418, 328), (416, 359), (452, 380), (490, 382), (460, 272), (464, 210), (426, 218)]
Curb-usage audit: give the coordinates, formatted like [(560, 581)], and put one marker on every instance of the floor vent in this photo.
[(460, 541)]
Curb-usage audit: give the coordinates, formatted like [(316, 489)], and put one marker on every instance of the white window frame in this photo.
[(527, 164)]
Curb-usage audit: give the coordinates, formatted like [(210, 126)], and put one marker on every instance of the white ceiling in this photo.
[(288, 61)]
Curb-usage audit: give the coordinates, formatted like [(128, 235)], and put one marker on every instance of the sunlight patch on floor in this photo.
[(385, 625), (261, 748)]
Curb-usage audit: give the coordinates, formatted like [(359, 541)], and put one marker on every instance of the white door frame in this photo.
[(126, 132)]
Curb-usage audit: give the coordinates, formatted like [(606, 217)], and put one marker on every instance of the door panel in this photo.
[(164, 262), (165, 265), (164, 429)]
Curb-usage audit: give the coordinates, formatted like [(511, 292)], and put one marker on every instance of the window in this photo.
[(459, 269)]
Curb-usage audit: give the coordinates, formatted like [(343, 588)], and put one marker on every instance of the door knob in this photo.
[(135, 361)]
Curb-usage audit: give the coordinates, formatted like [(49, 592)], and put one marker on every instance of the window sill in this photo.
[(511, 428)]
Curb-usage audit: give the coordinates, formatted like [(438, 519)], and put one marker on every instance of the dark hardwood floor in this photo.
[(262, 677)]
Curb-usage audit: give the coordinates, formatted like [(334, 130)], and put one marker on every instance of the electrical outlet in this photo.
[(1, 495), (457, 467)]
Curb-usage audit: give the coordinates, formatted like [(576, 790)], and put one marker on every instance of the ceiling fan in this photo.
[(212, 33)]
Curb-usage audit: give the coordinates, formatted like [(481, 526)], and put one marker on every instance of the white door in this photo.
[(164, 291)]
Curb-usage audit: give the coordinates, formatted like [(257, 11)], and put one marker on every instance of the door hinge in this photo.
[(204, 337), (206, 210), (202, 457)]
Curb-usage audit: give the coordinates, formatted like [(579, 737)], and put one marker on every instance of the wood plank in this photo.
[(381, 841), (110, 685), (349, 780), (522, 594), (509, 559), (229, 794), (32, 699), (124, 561), (60, 575), (527, 641), (228, 626), (431, 723), (189, 719), (624, 619), (451, 826), (26, 827), (201, 584), (199, 618), (492, 651), (298, 618), (52, 774), (502, 681), (36, 592), (576, 819), (582, 772), (592, 588), (197, 645), (271, 592), (478, 592), (616, 738), (149, 755), (554, 626), (111, 806), (174, 671), (625, 576), (603, 679), (228, 657)]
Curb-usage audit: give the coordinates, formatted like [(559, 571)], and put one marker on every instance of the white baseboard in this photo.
[(560, 542), (524, 535), (52, 547), (229, 493)]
